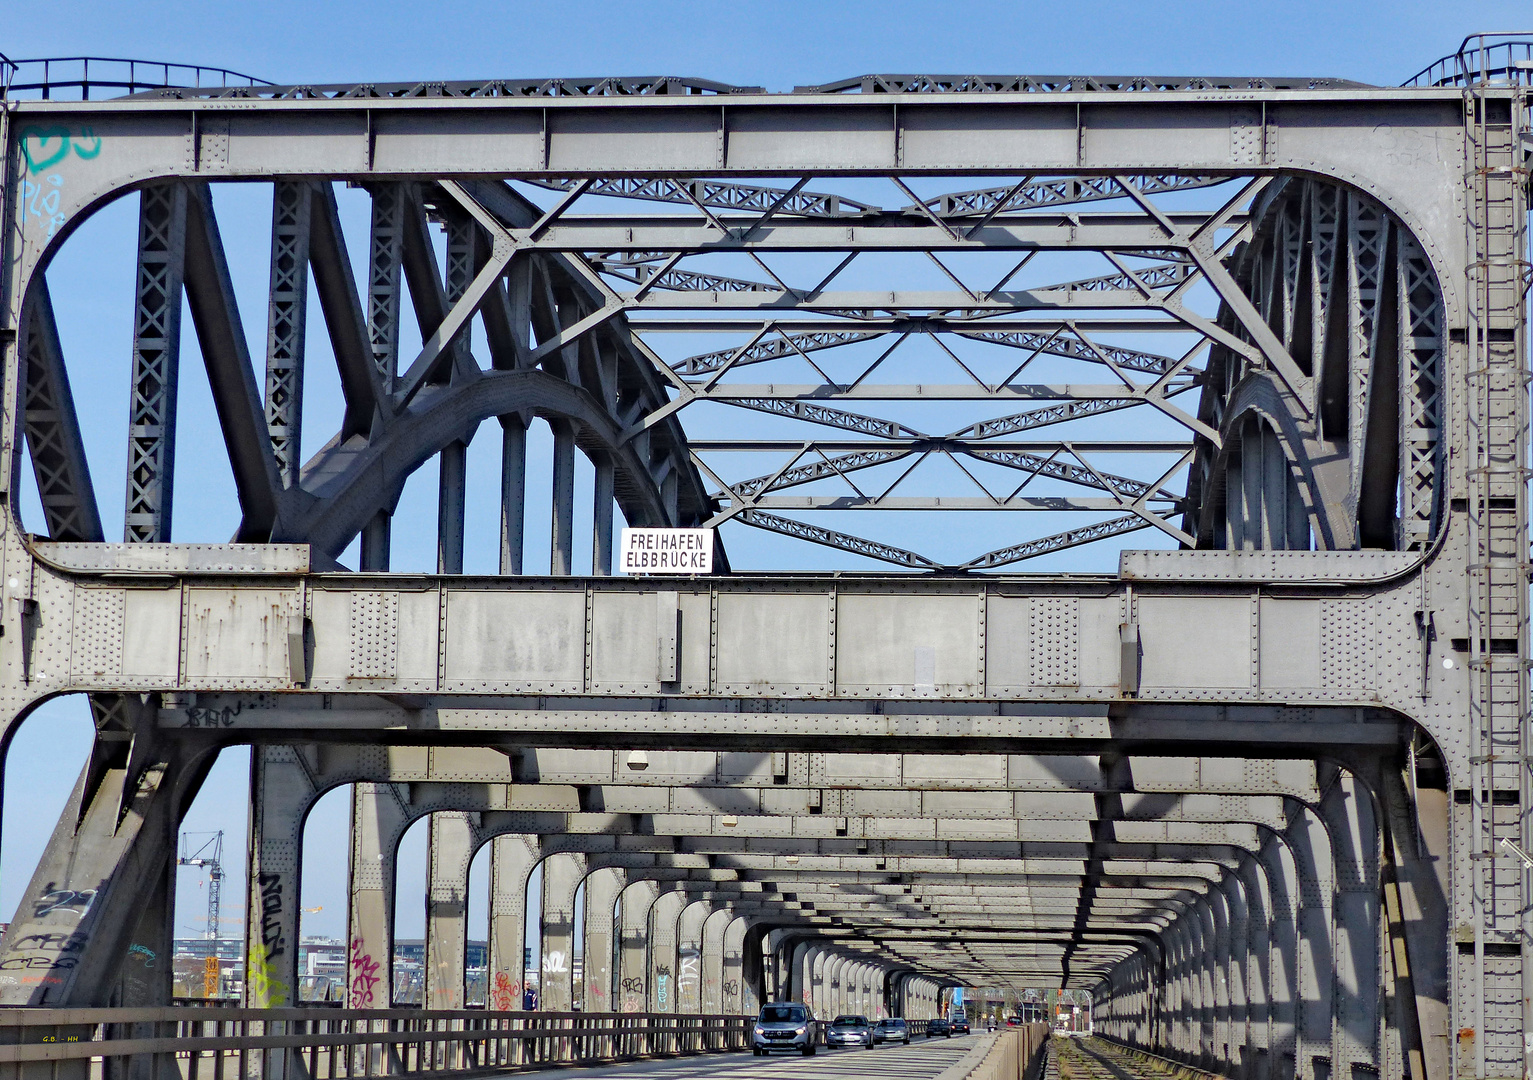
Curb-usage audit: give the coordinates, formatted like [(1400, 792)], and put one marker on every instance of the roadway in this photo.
[(918, 1061)]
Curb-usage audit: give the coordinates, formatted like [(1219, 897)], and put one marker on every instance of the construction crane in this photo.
[(209, 857)]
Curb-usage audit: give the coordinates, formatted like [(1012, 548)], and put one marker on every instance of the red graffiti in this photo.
[(505, 994), (365, 978)]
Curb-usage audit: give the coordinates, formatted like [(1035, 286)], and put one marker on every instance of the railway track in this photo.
[(1097, 1059)]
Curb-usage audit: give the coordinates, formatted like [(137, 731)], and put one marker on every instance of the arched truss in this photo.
[(590, 390), (1349, 295), (1318, 376)]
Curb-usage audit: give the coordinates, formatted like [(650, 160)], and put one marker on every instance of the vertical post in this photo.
[(378, 819), (385, 256), (562, 874), (513, 491), (603, 886), (714, 949), (689, 954), (451, 506), (449, 849), (156, 363), (662, 950), (1353, 829), (601, 520), (511, 861), (633, 960), (286, 324), (562, 541), (375, 542), (280, 795)]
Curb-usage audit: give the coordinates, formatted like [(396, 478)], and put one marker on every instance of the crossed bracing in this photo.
[(580, 309)]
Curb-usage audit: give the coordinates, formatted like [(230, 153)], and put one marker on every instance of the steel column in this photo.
[(378, 819), (156, 362), (562, 529), (512, 859), (603, 886), (562, 876)]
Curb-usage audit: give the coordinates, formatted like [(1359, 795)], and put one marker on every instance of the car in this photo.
[(891, 1029), (849, 1030), (959, 1025), (785, 1025), (938, 1026), (1013, 1021)]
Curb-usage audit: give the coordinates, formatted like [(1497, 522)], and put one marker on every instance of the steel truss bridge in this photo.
[(1263, 791)]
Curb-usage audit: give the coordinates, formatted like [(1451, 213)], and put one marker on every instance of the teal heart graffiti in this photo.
[(35, 147)]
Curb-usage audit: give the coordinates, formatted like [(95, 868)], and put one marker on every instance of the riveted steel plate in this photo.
[(515, 641)]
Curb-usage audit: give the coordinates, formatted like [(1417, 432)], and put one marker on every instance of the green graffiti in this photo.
[(45, 147), (266, 990), (87, 133), (37, 148)]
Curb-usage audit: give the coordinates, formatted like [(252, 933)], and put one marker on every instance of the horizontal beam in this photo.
[(997, 446)]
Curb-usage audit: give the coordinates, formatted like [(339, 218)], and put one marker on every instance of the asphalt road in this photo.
[(920, 1060)]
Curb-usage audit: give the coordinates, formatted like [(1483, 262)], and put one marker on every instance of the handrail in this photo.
[(44, 78), (344, 1044), (1505, 58)]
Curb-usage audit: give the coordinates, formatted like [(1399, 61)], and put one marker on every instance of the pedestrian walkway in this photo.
[(919, 1061)]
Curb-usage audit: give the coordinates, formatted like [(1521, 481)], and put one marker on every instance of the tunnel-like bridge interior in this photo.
[(1251, 797)]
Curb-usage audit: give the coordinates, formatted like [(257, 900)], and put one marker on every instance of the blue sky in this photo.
[(776, 45)]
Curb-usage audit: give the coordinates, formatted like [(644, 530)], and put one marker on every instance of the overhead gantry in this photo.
[(1260, 790)]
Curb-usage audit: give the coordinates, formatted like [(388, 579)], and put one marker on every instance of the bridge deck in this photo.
[(921, 1059)]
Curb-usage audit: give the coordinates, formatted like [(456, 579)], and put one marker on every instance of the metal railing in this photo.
[(72, 78), (334, 1044), (1482, 59)]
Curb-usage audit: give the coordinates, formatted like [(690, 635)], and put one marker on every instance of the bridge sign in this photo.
[(667, 551)]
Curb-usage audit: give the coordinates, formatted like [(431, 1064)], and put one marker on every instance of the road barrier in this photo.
[(1008, 1054), (337, 1044)]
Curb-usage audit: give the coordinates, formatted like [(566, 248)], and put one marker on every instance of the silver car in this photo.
[(891, 1029), (849, 1031), (785, 1025)]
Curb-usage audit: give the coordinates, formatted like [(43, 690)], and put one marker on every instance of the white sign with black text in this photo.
[(666, 551)]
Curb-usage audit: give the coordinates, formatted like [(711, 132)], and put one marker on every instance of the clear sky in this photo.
[(773, 44)]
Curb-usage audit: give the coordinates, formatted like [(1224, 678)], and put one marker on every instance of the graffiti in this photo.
[(41, 200), (365, 977), (59, 943), (212, 718), (662, 986), (267, 991), (33, 963), (731, 987), (74, 901), (142, 954), (46, 147), (271, 914), (503, 993), (267, 988), (555, 963), (687, 977), (632, 1004)]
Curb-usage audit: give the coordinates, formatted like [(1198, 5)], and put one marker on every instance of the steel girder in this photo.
[(500, 232), (453, 886), (1392, 229)]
